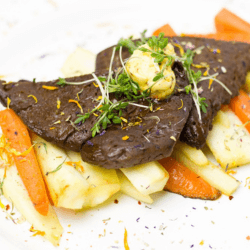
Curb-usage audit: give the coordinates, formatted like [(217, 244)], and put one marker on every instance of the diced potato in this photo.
[(80, 62), (147, 178), (103, 182), (195, 155), (128, 189), (15, 192), (67, 187), (211, 173), (229, 140)]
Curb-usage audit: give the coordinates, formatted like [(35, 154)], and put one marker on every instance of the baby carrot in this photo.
[(226, 21), (238, 37), (166, 29), (241, 107), (17, 135), (185, 182)]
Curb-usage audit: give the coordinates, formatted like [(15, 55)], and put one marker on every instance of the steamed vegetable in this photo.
[(241, 107), (18, 138), (147, 178), (229, 140), (187, 183), (67, 187), (128, 189), (228, 22), (166, 29), (195, 155), (15, 191), (211, 173)]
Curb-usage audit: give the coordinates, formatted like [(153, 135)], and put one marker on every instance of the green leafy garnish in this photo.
[(203, 104), (61, 82), (130, 44)]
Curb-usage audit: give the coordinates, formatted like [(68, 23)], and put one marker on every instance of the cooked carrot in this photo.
[(166, 29), (185, 182), (17, 135), (241, 107), (227, 22), (238, 37)]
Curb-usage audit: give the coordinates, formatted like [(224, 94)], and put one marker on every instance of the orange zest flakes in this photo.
[(77, 103), (49, 87), (77, 165), (5, 154), (36, 232), (57, 122), (181, 105), (8, 102), (230, 171), (199, 66), (33, 97), (96, 85), (124, 138), (2, 205), (126, 246), (58, 103), (26, 152), (248, 237), (52, 128), (210, 83), (206, 72), (180, 48), (78, 93), (124, 120), (158, 108), (215, 51)]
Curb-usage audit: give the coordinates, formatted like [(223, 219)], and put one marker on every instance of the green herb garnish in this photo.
[(1, 186), (57, 169), (130, 44)]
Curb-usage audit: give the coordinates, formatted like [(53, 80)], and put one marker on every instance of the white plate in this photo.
[(38, 50)]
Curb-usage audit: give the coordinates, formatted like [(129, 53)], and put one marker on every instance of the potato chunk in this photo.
[(229, 140)]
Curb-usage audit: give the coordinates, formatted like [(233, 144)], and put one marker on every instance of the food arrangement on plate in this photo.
[(136, 120)]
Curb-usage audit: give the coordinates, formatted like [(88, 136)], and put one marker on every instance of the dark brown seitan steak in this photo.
[(42, 117), (234, 57), (149, 140)]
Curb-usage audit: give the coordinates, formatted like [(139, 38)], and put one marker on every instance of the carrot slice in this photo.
[(241, 107), (18, 137), (166, 29), (226, 21), (185, 182)]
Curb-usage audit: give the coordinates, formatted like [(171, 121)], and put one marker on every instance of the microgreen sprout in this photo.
[(62, 82)]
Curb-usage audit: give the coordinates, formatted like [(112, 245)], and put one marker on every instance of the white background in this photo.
[(35, 38)]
